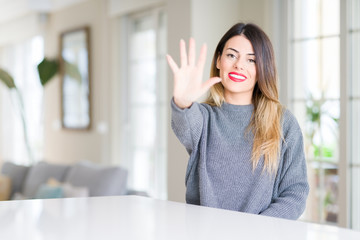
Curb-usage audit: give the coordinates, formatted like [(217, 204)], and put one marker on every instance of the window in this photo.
[(21, 60), (146, 103), (354, 102), (315, 99)]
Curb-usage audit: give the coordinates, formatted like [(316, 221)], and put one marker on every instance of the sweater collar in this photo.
[(237, 108)]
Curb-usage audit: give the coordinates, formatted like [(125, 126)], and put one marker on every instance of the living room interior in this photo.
[(124, 128)]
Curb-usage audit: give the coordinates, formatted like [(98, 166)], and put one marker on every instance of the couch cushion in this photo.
[(70, 191), (100, 180), (16, 173), (41, 173)]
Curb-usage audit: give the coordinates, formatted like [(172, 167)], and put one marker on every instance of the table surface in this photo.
[(135, 217)]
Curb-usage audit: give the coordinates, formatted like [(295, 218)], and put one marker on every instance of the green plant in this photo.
[(6, 78), (47, 69), (327, 152), (314, 113)]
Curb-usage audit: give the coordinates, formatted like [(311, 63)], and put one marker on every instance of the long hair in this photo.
[(265, 122)]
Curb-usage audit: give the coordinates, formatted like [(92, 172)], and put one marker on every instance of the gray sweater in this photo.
[(220, 173)]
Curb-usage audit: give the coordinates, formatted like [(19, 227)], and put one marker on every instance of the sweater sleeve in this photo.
[(187, 124), (291, 186)]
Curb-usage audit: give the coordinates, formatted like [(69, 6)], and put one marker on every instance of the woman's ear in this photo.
[(218, 62)]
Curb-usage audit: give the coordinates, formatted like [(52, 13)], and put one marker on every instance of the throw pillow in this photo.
[(69, 190), (5, 188), (39, 174), (46, 191)]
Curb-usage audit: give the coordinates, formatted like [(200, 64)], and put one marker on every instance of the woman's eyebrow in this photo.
[(233, 50)]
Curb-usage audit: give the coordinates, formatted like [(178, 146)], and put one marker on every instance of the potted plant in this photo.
[(47, 69)]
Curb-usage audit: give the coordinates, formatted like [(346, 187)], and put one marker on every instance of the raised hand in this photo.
[(188, 84)]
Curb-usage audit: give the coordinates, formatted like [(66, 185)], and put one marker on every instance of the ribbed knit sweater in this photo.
[(220, 173)]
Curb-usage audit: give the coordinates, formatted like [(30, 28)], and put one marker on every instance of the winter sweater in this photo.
[(220, 173)]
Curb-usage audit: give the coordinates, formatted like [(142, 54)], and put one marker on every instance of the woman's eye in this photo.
[(252, 60), (230, 55)]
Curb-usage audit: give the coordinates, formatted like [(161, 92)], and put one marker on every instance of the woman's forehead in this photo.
[(239, 43)]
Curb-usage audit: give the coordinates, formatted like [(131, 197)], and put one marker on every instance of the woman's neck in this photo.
[(238, 99)]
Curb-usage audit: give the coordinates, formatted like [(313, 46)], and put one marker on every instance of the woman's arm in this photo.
[(187, 124), (292, 185), (188, 87)]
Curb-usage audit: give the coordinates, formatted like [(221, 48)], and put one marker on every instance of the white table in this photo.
[(134, 217)]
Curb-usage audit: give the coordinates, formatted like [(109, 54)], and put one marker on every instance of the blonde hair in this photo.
[(265, 122)]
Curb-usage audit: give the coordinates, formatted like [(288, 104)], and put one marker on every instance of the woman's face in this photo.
[(237, 70)]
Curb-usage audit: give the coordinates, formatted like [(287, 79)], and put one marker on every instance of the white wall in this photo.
[(179, 26), (117, 7), (21, 28)]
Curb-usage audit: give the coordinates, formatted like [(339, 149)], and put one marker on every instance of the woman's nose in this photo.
[(239, 64)]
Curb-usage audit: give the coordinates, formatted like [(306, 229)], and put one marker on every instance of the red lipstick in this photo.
[(237, 77)]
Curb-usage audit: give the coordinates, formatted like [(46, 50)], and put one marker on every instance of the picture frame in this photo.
[(75, 72)]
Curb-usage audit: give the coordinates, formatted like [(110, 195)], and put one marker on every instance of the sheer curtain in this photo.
[(21, 60), (144, 151)]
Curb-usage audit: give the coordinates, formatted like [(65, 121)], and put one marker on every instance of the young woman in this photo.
[(246, 150)]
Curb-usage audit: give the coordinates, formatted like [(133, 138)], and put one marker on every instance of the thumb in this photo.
[(211, 82)]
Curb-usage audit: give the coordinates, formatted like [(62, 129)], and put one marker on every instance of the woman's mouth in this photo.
[(237, 77)]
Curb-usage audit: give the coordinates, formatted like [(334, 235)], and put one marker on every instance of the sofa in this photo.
[(49, 180)]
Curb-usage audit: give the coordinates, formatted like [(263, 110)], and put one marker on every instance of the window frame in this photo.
[(159, 189), (283, 26)]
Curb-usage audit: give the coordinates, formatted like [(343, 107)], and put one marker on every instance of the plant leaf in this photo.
[(72, 70), (7, 79), (47, 69)]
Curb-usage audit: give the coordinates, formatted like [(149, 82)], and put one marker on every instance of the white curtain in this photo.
[(21, 60)]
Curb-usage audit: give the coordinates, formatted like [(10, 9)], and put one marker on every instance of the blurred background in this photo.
[(129, 87)]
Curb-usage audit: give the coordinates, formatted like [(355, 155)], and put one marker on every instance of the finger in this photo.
[(192, 52), (202, 57), (183, 55), (174, 67), (210, 82)]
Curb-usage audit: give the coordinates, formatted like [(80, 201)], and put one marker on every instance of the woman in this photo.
[(246, 150)]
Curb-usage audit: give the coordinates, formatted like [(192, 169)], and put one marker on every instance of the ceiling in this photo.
[(11, 9)]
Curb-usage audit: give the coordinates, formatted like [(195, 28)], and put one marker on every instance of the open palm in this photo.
[(188, 84)]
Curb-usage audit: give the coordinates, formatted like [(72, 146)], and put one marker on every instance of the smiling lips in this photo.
[(237, 77)]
